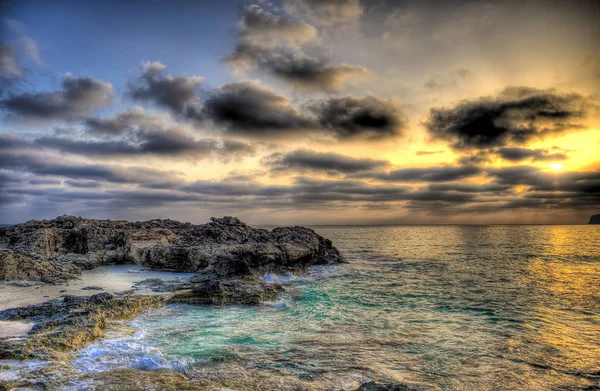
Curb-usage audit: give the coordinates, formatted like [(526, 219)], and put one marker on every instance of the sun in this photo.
[(556, 166)]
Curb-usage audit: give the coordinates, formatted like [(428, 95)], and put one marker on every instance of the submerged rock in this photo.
[(228, 292), (60, 248), (395, 386), (135, 379), (160, 285), (92, 288), (595, 219)]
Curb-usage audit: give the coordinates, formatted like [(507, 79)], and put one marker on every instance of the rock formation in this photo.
[(595, 219), (15, 265), (226, 255), (51, 250), (67, 324)]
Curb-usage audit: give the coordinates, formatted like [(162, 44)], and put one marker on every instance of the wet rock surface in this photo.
[(393, 386), (70, 323), (227, 256), (54, 250), (61, 376), (224, 292)]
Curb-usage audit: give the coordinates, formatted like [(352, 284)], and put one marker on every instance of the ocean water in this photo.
[(460, 307)]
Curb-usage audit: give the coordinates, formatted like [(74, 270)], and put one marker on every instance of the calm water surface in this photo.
[(460, 307)]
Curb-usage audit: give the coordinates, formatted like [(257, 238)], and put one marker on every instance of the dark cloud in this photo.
[(149, 143), (537, 180), (48, 166), (172, 142), (229, 189), (118, 124), (326, 162), (244, 175), (425, 153), (441, 196), (433, 174), (309, 73), (519, 154), (307, 190), (521, 187), (545, 190), (10, 142), (252, 109), (468, 188), (298, 69), (10, 67), (83, 184), (261, 27), (7, 177), (477, 157), (516, 116), (272, 43), (78, 97), (106, 199), (359, 118), (176, 93), (515, 175), (133, 133), (12, 178)]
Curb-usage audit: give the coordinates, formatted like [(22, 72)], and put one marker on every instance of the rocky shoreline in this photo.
[(227, 256), (58, 250)]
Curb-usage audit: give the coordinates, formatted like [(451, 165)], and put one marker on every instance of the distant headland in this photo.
[(595, 219)]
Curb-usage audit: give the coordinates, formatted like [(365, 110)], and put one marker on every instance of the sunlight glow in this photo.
[(556, 166)]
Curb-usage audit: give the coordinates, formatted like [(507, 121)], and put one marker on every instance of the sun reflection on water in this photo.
[(460, 307)]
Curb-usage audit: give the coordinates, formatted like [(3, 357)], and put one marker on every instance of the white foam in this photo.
[(278, 278)]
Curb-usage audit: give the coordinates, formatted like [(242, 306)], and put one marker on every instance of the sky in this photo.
[(301, 111)]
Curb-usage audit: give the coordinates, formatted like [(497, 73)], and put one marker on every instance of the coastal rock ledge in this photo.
[(59, 249)]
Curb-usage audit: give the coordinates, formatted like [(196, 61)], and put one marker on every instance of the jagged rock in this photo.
[(227, 220), (15, 265), (134, 380), (71, 323), (160, 285), (394, 386), (224, 247), (227, 292), (595, 219)]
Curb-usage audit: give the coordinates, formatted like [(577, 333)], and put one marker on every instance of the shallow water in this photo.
[(113, 278), (462, 307)]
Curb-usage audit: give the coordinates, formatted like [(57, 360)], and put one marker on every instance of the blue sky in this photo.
[(109, 39)]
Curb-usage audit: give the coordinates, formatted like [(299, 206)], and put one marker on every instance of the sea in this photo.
[(491, 307)]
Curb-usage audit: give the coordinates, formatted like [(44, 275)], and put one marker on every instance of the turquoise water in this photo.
[(460, 307)]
